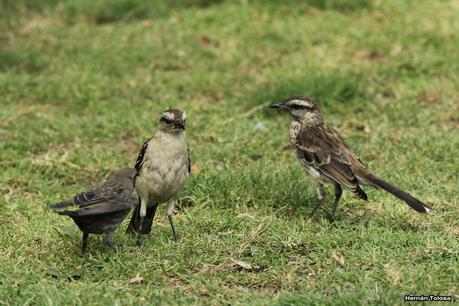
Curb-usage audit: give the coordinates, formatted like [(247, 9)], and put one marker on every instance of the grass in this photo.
[(82, 85)]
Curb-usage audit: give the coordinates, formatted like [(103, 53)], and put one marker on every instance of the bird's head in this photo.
[(173, 119), (302, 108)]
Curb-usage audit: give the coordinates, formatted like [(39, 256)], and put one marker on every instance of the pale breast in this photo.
[(293, 131), (165, 168)]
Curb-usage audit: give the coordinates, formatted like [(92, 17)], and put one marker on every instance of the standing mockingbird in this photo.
[(162, 167), (102, 209), (325, 155)]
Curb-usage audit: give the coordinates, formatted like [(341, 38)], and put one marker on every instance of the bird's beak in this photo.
[(278, 106), (181, 124)]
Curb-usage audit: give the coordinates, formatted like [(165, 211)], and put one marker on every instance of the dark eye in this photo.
[(167, 120), (296, 106)]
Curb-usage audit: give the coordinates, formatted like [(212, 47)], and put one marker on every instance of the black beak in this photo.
[(181, 124), (278, 106)]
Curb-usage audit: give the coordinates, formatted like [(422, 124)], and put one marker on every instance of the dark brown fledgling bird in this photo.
[(162, 167), (325, 155), (102, 209)]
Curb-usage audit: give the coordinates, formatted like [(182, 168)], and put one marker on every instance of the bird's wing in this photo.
[(88, 197), (140, 157), (189, 160), (85, 197), (322, 149), (139, 161), (103, 200)]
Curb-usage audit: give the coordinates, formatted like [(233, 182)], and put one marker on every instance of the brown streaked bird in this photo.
[(325, 155), (162, 167), (102, 209)]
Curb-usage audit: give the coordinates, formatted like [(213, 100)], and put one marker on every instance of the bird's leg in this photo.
[(170, 212), (148, 220), (142, 214), (338, 193), (110, 241), (133, 224), (139, 234), (321, 196), (85, 242)]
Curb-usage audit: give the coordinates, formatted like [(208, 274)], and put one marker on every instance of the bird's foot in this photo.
[(138, 241), (331, 216), (113, 247), (314, 210), (84, 243)]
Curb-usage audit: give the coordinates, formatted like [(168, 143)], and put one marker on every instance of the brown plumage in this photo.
[(103, 208), (325, 155)]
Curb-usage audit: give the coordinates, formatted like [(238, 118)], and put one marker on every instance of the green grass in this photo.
[(82, 85)]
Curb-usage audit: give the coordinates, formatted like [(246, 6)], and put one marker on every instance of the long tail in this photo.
[(410, 200), (64, 207)]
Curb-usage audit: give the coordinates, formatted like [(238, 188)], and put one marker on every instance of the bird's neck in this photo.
[(169, 131), (299, 127), (311, 120), (293, 131)]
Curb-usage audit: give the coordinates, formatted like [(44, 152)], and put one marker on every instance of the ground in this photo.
[(82, 85)]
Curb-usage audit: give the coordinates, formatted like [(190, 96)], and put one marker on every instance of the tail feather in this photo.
[(68, 213), (56, 207), (408, 199)]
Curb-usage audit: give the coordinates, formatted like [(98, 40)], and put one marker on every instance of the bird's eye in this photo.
[(167, 120), (298, 106)]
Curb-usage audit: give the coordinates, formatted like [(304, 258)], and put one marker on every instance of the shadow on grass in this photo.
[(103, 11), (109, 11), (22, 60), (345, 6), (115, 10)]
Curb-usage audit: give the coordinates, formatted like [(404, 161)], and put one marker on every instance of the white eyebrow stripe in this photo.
[(302, 103), (168, 115)]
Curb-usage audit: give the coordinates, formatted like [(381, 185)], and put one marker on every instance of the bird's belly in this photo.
[(316, 175), (163, 180), (99, 224)]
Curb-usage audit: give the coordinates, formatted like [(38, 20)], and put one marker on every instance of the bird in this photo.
[(326, 156), (103, 208), (162, 166)]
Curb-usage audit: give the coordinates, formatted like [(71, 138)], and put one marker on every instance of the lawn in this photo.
[(83, 83)]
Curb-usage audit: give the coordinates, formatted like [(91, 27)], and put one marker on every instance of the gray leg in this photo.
[(170, 212), (338, 193), (321, 196), (85, 242), (110, 241)]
